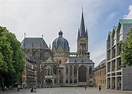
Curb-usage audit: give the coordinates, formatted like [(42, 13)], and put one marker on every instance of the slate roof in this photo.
[(36, 43), (29, 58), (84, 59)]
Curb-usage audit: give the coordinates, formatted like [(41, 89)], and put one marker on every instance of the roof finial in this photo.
[(24, 35), (82, 5), (60, 33)]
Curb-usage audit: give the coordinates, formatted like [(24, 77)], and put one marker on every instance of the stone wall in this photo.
[(127, 78)]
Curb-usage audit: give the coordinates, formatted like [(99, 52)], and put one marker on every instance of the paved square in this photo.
[(66, 90)]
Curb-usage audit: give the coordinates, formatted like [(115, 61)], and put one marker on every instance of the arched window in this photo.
[(108, 42), (82, 73), (120, 34), (55, 69), (90, 70), (113, 38)]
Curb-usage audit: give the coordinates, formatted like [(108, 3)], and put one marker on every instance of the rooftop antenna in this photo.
[(24, 35)]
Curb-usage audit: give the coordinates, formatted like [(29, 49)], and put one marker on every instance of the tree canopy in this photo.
[(12, 60), (127, 50)]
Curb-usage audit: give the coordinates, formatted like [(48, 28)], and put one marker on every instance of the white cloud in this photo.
[(129, 16), (98, 53)]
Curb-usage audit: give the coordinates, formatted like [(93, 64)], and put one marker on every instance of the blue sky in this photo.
[(47, 17)]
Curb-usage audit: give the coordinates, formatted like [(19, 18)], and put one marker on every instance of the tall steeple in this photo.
[(82, 32), (82, 40), (82, 27)]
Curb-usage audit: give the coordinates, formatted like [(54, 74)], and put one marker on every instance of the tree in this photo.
[(127, 50), (12, 60)]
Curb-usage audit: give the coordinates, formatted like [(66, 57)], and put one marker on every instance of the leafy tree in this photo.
[(127, 50), (11, 58)]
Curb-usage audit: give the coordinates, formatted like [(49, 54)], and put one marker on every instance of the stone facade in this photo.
[(60, 67), (117, 76), (50, 73), (74, 68), (38, 49), (100, 74), (78, 71)]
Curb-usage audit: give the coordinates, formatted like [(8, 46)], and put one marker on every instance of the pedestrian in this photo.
[(35, 89), (85, 87), (99, 87), (5, 88), (32, 90), (18, 87)]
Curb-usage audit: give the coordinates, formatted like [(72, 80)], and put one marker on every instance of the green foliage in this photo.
[(11, 57), (13, 78), (127, 50)]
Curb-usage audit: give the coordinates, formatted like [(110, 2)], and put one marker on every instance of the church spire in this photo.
[(82, 41), (82, 26)]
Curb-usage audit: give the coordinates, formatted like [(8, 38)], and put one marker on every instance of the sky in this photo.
[(47, 17)]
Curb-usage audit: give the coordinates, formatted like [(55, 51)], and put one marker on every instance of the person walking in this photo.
[(99, 87), (18, 87), (85, 87)]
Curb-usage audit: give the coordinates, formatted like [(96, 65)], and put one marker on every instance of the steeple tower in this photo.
[(82, 27), (82, 40)]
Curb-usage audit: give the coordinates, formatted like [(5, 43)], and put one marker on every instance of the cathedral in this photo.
[(58, 66)]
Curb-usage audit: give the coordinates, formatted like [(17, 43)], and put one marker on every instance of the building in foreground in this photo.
[(117, 77), (29, 76), (100, 74)]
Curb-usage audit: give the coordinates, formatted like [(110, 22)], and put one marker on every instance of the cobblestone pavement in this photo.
[(66, 90)]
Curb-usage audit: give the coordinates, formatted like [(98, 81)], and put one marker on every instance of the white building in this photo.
[(117, 77)]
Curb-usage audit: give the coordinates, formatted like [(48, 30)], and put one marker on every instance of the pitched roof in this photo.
[(33, 43), (115, 28), (49, 60), (126, 21), (29, 58)]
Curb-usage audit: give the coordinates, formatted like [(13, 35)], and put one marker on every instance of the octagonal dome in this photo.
[(60, 42)]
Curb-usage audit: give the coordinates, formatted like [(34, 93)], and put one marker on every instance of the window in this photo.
[(120, 34), (59, 61), (90, 70), (113, 38), (82, 73)]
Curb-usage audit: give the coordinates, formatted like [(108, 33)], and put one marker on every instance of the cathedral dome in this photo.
[(60, 42)]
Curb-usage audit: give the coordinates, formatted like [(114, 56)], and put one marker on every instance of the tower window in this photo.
[(59, 61)]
